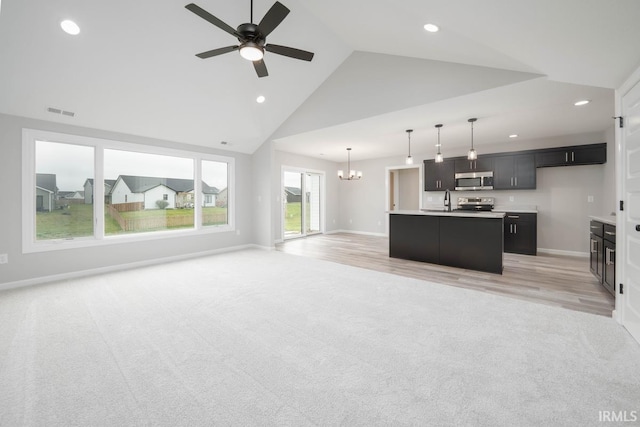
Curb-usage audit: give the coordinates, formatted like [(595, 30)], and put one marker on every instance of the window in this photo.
[(215, 183), (81, 191), (63, 173)]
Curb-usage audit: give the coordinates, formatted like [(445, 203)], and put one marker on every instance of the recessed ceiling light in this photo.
[(513, 135), (432, 28), (583, 102), (260, 99), (70, 27)]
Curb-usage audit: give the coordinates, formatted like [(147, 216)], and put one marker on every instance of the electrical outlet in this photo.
[(4, 258), (511, 198), (429, 199), (589, 199)]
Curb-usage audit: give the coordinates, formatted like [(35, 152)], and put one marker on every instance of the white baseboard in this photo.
[(566, 253), (120, 267), (364, 233)]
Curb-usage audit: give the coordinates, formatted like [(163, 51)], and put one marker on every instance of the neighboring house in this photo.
[(88, 190), (221, 198), (293, 194), (71, 195), (46, 192), (148, 190)]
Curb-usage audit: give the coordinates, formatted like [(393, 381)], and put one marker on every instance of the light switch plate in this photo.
[(4, 258)]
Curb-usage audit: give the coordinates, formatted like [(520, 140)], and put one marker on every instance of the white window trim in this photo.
[(29, 242)]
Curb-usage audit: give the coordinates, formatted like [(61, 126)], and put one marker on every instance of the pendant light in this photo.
[(409, 159), (353, 174), (439, 157), (472, 155)]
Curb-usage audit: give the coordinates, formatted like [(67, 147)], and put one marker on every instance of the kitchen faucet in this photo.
[(447, 200)]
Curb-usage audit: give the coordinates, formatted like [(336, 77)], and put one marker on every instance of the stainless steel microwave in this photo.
[(474, 181)]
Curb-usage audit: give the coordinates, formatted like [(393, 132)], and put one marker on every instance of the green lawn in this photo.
[(77, 220), (292, 217), (74, 221)]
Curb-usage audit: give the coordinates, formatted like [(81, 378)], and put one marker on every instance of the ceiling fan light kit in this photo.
[(252, 37)]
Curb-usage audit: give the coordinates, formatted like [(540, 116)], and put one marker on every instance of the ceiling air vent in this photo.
[(59, 111)]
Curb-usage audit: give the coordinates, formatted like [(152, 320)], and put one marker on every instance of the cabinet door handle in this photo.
[(511, 228), (511, 182), (516, 181), (610, 233), (513, 216), (594, 246), (573, 156), (566, 157), (515, 228), (609, 256), (594, 226)]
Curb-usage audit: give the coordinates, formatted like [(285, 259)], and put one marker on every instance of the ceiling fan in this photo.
[(253, 37)]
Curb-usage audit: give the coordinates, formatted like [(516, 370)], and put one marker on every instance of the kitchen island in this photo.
[(471, 240)]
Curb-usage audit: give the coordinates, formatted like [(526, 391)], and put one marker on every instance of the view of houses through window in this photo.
[(61, 170), (143, 192)]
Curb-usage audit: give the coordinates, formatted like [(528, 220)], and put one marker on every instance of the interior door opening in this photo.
[(302, 203)]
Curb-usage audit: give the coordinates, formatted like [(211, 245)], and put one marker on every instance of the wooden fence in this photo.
[(128, 207), (163, 222)]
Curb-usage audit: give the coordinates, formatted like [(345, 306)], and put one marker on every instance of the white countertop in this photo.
[(609, 219), (516, 209), (497, 215)]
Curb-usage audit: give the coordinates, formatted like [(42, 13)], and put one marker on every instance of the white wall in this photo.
[(261, 196), (36, 265), (408, 183), (561, 194)]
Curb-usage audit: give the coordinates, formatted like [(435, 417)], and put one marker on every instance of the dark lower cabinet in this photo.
[(609, 266), (521, 233), (467, 242), (596, 256), (414, 237), (602, 254)]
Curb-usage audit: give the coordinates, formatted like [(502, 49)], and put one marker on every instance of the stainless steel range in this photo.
[(475, 204)]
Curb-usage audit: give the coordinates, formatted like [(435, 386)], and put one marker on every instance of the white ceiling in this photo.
[(133, 70)]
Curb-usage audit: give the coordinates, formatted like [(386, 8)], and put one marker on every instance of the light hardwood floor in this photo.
[(547, 279)]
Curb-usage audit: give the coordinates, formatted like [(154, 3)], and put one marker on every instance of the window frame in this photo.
[(29, 242)]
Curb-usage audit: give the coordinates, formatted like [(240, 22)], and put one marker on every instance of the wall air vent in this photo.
[(59, 111)]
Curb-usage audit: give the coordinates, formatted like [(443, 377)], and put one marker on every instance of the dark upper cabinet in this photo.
[(439, 176), (481, 164), (593, 154), (521, 233), (514, 172)]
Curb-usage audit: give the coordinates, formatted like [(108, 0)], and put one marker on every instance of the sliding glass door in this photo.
[(302, 200)]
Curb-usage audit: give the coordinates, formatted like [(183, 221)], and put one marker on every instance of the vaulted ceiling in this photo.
[(516, 65)]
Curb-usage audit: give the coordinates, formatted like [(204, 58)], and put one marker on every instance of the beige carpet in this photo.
[(266, 338)]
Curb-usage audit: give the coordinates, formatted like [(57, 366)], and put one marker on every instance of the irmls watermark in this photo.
[(618, 416)]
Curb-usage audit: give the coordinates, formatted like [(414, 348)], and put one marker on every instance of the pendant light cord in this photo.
[(251, 12)]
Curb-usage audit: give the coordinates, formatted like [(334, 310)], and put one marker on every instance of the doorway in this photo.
[(302, 204)]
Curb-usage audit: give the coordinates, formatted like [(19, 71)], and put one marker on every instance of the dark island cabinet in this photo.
[(514, 172), (439, 176), (481, 164), (521, 233), (593, 154), (415, 237)]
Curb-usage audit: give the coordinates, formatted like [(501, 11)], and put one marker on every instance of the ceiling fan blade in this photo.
[(212, 19), (290, 52), (261, 69), (273, 18), (216, 52)]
